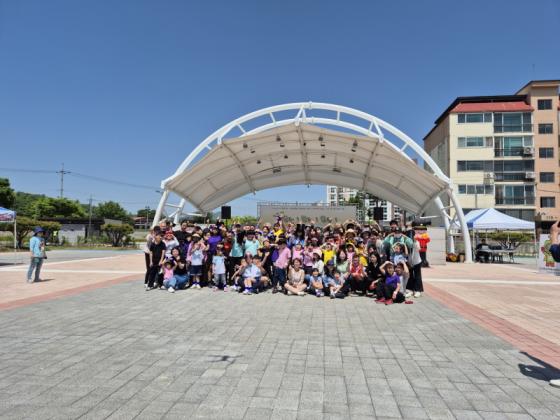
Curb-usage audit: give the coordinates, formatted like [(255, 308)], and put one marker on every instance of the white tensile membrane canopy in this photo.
[(305, 154), (274, 148)]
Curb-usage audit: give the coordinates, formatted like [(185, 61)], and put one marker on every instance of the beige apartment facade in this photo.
[(502, 151)]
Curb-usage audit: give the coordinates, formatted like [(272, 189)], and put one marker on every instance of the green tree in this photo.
[(117, 233), (142, 213), (111, 210), (46, 207), (25, 202), (245, 220), (514, 238), (25, 226), (7, 195)]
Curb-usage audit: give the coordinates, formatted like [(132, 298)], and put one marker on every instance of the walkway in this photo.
[(119, 352)]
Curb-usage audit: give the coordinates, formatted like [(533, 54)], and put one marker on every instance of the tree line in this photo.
[(38, 209)]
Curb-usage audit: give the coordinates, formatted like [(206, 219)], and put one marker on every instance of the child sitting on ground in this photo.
[(337, 286), (168, 273), (296, 276), (391, 289), (316, 283)]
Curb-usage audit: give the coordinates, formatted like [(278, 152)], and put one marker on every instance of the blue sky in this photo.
[(125, 90)]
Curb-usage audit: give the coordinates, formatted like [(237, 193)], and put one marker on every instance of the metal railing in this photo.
[(513, 128), (510, 151), (521, 201)]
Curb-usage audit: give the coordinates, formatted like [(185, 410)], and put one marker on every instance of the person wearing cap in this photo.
[(37, 250)]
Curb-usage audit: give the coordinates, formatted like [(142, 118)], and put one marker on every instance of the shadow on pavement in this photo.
[(543, 372)]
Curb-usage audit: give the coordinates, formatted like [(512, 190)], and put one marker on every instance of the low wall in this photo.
[(437, 246)]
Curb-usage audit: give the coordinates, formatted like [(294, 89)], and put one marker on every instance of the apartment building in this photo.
[(340, 195), (503, 151)]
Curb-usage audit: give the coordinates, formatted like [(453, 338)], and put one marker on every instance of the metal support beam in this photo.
[(160, 207), (369, 164), (241, 167), (303, 150)]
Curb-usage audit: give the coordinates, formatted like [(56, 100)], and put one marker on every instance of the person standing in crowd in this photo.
[(37, 251), (197, 257), (157, 256), (170, 242), (219, 270), (149, 240), (251, 244), (415, 284), (281, 265)]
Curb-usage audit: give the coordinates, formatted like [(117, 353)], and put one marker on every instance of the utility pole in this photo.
[(147, 216), (88, 236), (62, 172)]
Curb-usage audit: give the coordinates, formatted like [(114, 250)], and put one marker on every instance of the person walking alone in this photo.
[(37, 249)]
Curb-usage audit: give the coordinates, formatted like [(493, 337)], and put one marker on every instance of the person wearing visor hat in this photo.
[(37, 250)]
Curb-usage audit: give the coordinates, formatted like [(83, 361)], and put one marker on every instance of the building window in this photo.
[(544, 104), (545, 128), (546, 176), (546, 152), (548, 202), (471, 142), (510, 122), (513, 146), (476, 189), (474, 118), (515, 194), (474, 165)]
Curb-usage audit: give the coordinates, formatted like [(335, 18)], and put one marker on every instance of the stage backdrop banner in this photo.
[(546, 262), (321, 214)]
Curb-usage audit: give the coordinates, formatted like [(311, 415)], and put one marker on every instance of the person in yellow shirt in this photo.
[(328, 252)]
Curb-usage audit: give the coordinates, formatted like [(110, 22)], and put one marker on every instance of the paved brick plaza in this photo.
[(119, 352)]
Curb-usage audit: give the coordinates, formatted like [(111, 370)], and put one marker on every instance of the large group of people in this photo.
[(298, 259)]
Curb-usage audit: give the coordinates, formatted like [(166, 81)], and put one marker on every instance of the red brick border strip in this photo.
[(519, 337), (67, 292)]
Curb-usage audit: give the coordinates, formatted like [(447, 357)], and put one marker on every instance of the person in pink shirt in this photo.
[(280, 266), (297, 252)]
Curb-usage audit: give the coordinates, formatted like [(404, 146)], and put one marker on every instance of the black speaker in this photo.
[(378, 213), (226, 212)]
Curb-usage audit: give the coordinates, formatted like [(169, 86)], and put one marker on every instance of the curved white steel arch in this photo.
[(375, 127)]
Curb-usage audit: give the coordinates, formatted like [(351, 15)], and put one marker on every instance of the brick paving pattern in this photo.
[(118, 352)]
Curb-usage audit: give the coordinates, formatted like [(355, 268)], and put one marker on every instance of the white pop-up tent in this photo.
[(492, 219), (9, 216)]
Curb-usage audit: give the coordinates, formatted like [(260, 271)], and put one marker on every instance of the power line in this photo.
[(63, 172)]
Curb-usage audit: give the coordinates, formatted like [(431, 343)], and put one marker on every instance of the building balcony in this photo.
[(513, 128), (515, 201), (523, 152), (512, 176)]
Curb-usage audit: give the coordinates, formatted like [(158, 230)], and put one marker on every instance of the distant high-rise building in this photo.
[(339, 195), (503, 151)]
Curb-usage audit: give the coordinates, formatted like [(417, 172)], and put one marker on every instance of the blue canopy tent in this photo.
[(492, 219), (7, 215)]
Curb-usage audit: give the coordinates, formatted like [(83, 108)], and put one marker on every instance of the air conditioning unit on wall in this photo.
[(530, 175), (529, 151)]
